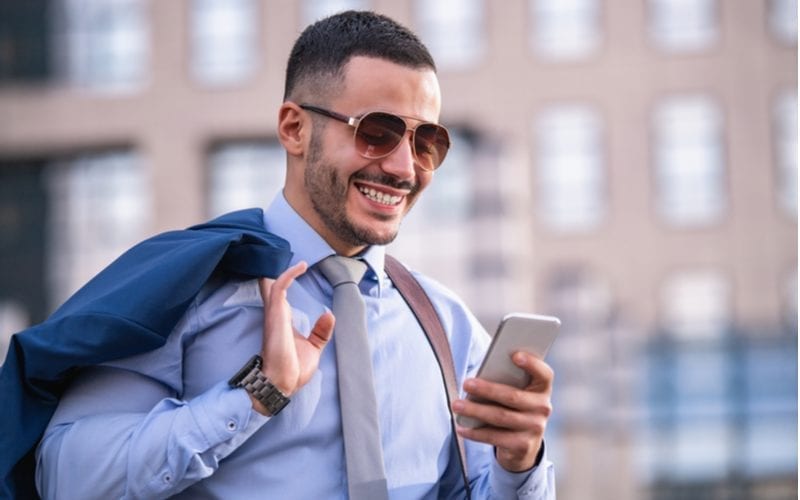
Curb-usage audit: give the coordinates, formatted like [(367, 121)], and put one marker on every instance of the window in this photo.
[(314, 10), (453, 31), (565, 29), (449, 196), (100, 207), (585, 352), (689, 166), (789, 300), (225, 44), (681, 26), (696, 305), (782, 20), (244, 174), (13, 318), (785, 137), (102, 44), (24, 41), (717, 410), (571, 190)]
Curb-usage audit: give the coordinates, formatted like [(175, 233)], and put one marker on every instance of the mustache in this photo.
[(387, 180)]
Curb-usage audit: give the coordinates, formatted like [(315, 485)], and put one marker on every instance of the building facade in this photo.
[(628, 166)]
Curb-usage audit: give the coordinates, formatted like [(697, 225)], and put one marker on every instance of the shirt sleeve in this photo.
[(149, 452), (536, 484)]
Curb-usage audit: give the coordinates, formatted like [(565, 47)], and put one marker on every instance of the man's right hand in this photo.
[(290, 359)]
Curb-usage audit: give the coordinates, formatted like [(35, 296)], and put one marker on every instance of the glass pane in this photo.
[(785, 120), (245, 175), (782, 20), (565, 29), (683, 25), (453, 31), (689, 161), (696, 305), (571, 178), (224, 40), (100, 207), (102, 44), (314, 10)]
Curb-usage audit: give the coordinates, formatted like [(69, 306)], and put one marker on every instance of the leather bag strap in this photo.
[(420, 304)]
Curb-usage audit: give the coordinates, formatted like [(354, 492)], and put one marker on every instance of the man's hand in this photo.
[(290, 359), (515, 418)]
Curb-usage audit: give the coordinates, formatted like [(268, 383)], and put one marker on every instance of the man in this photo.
[(169, 423)]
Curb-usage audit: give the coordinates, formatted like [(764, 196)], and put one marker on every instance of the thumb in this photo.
[(322, 331)]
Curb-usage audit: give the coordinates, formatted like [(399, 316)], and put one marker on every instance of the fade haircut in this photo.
[(316, 63)]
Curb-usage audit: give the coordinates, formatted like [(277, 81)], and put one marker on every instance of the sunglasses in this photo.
[(378, 134)]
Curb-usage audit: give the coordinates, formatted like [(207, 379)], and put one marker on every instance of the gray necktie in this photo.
[(366, 478)]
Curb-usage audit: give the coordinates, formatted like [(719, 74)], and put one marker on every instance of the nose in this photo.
[(401, 162)]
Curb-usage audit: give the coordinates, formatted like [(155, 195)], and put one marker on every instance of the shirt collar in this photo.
[(307, 245)]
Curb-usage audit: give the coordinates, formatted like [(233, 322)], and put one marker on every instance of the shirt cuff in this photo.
[(535, 483), (226, 418)]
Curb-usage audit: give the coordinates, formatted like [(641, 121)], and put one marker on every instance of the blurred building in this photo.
[(628, 166)]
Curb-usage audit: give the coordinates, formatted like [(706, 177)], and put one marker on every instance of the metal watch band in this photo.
[(253, 380)]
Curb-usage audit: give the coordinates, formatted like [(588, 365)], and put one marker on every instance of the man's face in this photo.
[(350, 200)]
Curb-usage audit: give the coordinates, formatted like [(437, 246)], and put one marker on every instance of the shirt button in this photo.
[(167, 478), (231, 425)]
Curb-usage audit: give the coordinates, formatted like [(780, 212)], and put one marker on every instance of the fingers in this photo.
[(322, 331), (268, 286), (515, 418), (502, 406)]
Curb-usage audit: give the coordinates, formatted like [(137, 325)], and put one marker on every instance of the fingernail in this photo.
[(520, 359), (458, 405)]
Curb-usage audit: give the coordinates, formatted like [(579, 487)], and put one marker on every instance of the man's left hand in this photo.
[(515, 418)]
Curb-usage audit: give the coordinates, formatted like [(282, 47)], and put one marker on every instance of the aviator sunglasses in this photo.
[(378, 134)]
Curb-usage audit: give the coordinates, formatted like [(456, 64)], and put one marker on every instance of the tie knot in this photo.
[(338, 270)]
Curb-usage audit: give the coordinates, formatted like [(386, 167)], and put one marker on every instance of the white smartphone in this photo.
[(531, 333)]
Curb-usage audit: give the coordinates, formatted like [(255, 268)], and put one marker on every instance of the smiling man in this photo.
[(359, 123)]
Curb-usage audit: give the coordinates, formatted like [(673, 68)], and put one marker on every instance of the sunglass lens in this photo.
[(431, 143), (378, 134)]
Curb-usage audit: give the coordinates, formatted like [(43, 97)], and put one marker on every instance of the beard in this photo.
[(328, 190)]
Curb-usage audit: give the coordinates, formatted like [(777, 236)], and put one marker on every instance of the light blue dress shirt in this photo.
[(165, 423)]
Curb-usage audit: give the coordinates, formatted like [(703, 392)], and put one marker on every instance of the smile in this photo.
[(379, 197)]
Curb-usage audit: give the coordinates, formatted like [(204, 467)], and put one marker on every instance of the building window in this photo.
[(689, 165), (696, 305), (450, 195), (565, 29), (102, 44), (571, 190), (25, 41), (782, 21), (100, 206), (785, 144), (453, 31), (585, 353), (717, 410), (789, 301), (225, 40), (13, 318), (244, 174), (681, 26), (314, 10)]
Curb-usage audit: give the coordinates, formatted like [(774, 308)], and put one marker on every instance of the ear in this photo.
[(293, 128)]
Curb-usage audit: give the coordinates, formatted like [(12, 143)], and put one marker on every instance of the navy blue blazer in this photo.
[(129, 308)]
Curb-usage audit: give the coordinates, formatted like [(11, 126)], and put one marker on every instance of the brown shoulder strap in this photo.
[(421, 306)]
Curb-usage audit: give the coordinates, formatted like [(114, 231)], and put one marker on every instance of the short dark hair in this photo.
[(325, 47)]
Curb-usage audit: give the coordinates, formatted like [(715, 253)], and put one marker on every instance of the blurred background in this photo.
[(630, 166)]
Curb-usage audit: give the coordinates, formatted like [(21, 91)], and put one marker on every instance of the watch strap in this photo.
[(252, 379)]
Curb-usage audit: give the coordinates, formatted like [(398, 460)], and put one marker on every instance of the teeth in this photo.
[(382, 198)]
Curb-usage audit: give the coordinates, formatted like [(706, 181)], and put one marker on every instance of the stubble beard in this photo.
[(328, 193)]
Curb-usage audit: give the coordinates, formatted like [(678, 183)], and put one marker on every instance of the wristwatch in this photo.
[(253, 380)]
